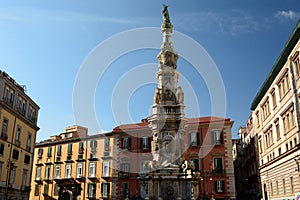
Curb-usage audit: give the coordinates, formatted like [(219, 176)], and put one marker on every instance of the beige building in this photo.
[(275, 114), (73, 165), (18, 122)]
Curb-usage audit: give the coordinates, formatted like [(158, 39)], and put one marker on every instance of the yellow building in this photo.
[(18, 122), (276, 120), (73, 165)]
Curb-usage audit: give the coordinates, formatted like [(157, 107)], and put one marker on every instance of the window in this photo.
[(24, 179), (55, 190), (260, 145), (91, 190), (49, 154), (2, 149), (32, 113), (28, 143), (4, 129), (217, 137), (106, 144), (68, 170), (124, 189), (269, 138), (266, 109), (0, 169), (47, 171), (27, 159), (46, 189), (292, 184), (257, 119), (279, 151), (92, 169), (283, 185), (38, 173), (144, 143), (196, 163), (40, 153), (79, 170), (21, 105), (284, 85), (36, 190), (274, 99), (80, 149), (277, 130), (218, 166), (105, 187), (70, 148), (105, 169), (271, 185), (57, 171), (12, 176), (296, 64), (194, 139), (219, 186), (15, 154), (18, 136), (93, 145), (277, 188), (58, 152), (288, 119), (125, 169), (125, 142), (9, 95)]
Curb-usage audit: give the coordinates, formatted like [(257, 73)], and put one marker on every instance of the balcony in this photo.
[(48, 180), (218, 172), (8, 101), (69, 159), (93, 157), (58, 160), (38, 180), (25, 188), (124, 174), (4, 136), (80, 158), (93, 178), (18, 143), (80, 178)]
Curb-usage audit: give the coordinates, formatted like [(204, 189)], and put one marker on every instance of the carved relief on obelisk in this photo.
[(167, 119)]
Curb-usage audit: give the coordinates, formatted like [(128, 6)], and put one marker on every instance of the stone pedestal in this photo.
[(169, 184)]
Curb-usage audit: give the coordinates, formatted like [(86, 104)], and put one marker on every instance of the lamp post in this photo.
[(10, 166)]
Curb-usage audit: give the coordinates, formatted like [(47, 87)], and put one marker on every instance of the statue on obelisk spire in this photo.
[(166, 15)]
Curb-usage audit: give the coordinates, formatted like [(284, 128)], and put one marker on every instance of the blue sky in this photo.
[(44, 44)]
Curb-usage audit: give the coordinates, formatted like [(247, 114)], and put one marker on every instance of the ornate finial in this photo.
[(166, 15)]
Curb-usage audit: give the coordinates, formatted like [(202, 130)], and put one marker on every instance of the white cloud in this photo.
[(234, 22), (288, 14)]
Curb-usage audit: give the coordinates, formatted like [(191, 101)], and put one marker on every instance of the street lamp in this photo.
[(10, 166)]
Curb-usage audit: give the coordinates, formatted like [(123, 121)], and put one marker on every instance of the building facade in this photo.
[(275, 113), (18, 122), (74, 165), (245, 156), (208, 145)]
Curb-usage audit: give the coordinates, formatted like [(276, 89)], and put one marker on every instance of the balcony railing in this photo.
[(218, 172)]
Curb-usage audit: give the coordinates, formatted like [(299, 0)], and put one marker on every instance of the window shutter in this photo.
[(141, 143), (198, 141), (216, 186), (108, 189), (129, 143)]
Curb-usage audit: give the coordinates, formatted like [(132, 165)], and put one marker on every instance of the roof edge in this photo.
[(281, 60)]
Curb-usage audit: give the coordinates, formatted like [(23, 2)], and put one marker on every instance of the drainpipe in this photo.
[(294, 87), (10, 163)]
